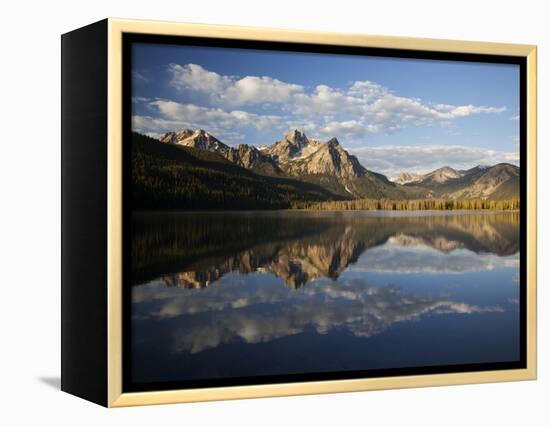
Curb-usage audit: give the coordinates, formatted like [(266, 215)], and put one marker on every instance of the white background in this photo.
[(30, 211)]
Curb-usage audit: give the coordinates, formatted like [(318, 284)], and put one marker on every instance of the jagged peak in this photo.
[(407, 177), (245, 146), (187, 133), (444, 169), (295, 134), (333, 142), (179, 132), (203, 133)]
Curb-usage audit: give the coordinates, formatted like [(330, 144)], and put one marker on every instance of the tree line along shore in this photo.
[(404, 205)]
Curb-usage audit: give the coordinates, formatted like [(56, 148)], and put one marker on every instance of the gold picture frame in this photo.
[(116, 28)]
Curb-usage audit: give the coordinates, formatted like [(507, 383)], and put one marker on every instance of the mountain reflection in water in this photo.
[(194, 250), (360, 287)]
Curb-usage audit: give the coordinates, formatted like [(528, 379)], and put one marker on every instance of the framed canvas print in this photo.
[(250, 212)]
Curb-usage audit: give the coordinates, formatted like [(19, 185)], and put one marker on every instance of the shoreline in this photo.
[(397, 212)]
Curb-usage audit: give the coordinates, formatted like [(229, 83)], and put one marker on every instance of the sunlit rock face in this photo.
[(243, 155), (198, 138), (442, 175), (329, 159), (294, 145), (404, 178)]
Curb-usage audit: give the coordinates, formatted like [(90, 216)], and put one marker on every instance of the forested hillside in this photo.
[(177, 177)]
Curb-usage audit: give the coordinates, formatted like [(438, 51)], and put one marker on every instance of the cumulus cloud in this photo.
[(224, 119), (171, 115), (195, 77), (155, 127), (449, 111), (253, 90), (391, 160), (229, 90), (326, 100), (350, 129), (351, 112), (367, 90)]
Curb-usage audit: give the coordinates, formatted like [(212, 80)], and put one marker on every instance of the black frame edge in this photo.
[(84, 212)]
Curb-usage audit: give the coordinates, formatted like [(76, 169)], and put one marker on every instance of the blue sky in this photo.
[(394, 114)]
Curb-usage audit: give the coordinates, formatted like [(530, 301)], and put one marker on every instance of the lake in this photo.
[(248, 294)]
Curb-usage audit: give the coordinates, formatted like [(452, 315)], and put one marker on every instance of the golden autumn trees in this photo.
[(405, 205)]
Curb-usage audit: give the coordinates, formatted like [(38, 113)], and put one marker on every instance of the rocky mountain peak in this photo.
[(489, 180), (243, 155), (201, 133), (329, 159), (477, 168), (297, 136), (442, 175), (331, 166), (404, 178), (333, 143), (294, 145), (502, 171), (197, 138), (175, 137)]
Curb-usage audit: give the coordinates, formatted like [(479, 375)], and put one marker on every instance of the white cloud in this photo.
[(175, 116), (348, 129), (390, 113), (367, 90), (364, 107), (254, 90), (376, 110), (156, 127), (390, 160), (325, 100), (230, 90), (450, 111), (370, 104), (514, 118), (195, 77)]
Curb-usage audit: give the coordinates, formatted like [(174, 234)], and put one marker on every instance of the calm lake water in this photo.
[(233, 294)]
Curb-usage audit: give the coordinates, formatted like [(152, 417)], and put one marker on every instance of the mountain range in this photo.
[(330, 166), (192, 169), (494, 182)]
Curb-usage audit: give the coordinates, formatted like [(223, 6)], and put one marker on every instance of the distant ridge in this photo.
[(477, 182)]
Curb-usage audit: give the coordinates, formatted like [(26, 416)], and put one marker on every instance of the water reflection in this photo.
[(365, 290), (194, 250), (323, 306)]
